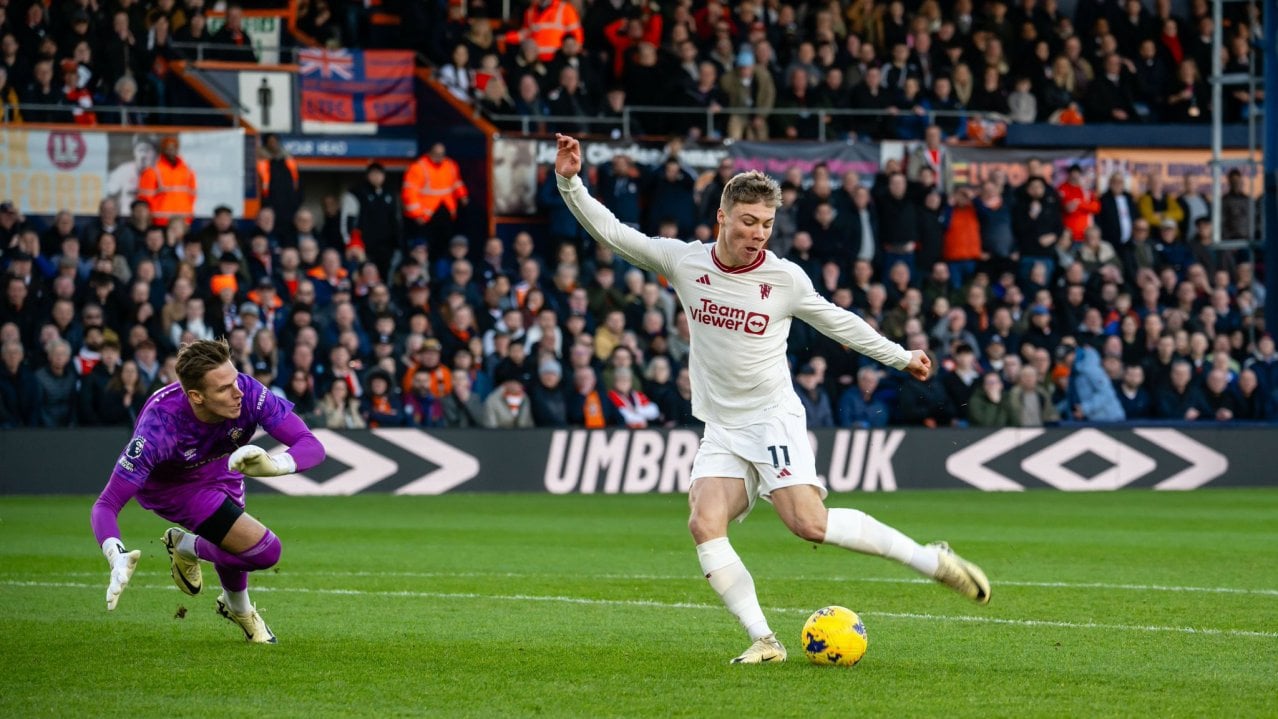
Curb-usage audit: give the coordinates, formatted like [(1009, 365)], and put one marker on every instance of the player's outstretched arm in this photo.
[(849, 329), (106, 529), (651, 253), (304, 451)]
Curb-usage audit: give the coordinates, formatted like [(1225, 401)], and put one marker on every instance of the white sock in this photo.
[(238, 601), (729, 577), (186, 545), (859, 532)]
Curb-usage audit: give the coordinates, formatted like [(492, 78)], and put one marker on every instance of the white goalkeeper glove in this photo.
[(122, 565), (255, 462)]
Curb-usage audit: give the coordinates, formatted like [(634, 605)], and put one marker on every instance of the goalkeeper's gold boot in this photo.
[(961, 575), (255, 630), (765, 650), (185, 570)]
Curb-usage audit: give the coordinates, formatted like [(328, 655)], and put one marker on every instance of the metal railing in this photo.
[(230, 115), (200, 51), (527, 123)]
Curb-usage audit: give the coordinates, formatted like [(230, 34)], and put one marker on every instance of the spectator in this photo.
[(169, 186), (1156, 206), (1111, 96), (816, 401), (422, 408), (1036, 222), (1132, 394), (546, 24), (925, 402), (381, 406), (433, 194), (747, 88), (863, 406), (10, 110), (338, 409), (43, 101), (508, 406), (1029, 402), (549, 406), (987, 407), (1118, 211), (94, 381), (461, 407), (1091, 391), (1237, 210), (456, 75), (587, 407), (1078, 202), (1181, 398), (232, 43), (124, 396), (278, 178), (1252, 403), (960, 382), (635, 408), (57, 405), (1223, 403), (19, 392), (1094, 253)]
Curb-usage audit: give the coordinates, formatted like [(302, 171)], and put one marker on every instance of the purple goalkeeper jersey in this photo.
[(179, 462)]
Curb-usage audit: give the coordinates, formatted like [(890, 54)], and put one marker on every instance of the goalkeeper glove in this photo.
[(122, 565), (255, 462)]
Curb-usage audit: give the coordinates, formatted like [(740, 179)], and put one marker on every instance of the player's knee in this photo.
[(266, 553), (809, 529), (704, 528)]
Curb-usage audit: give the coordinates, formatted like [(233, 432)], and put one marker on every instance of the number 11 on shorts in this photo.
[(784, 456)]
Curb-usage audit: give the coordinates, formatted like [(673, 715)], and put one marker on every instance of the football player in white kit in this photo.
[(740, 299)]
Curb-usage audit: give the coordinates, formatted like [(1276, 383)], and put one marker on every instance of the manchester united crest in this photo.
[(765, 289)]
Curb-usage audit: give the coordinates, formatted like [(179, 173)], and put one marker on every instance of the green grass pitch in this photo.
[(1108, 604)]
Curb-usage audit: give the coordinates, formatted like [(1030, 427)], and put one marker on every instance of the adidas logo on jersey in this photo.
[(784, 473), (703, 280)]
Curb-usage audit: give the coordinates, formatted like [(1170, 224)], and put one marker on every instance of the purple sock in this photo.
[(233, 580), (262, 555)]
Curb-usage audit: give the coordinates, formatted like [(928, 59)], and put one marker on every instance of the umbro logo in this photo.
[(703, 280)]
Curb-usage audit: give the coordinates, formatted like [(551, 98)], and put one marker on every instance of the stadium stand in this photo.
[(1042, 301)]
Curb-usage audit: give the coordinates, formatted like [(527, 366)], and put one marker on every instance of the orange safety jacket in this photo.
[(428, 185), (264, 174), (169, 188), (547, 27)]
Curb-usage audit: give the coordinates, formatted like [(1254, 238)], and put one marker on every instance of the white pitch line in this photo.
[(559, 599), (693, 577)]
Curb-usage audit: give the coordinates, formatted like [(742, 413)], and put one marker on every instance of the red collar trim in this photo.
[(738, 270)]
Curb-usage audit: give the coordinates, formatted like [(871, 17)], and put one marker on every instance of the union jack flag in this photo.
[(357, 86), (328, 64)]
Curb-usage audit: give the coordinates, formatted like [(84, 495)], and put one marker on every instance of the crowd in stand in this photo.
[(61, 60), (1110, 62), (1039, 302)]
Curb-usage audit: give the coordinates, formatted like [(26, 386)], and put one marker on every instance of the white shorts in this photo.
[(769, 455)]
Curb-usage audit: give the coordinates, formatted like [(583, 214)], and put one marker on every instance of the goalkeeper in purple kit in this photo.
[(187, 461)]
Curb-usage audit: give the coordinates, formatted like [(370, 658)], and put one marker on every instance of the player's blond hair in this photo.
[(750, 188), (196, 359)]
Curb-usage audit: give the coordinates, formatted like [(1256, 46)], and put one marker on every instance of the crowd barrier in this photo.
[(570, 461)]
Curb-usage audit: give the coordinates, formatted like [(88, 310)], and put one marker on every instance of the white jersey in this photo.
[(739, 317)]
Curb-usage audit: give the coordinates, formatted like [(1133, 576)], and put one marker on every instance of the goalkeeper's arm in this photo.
[(304, 452), (106, 529)]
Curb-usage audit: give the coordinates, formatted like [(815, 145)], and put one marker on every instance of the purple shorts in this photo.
[(189, 504)]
